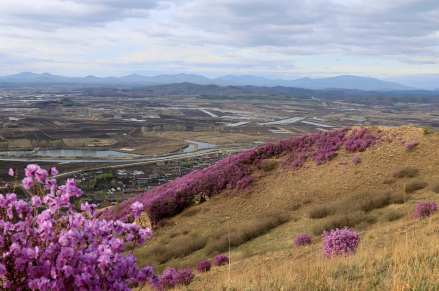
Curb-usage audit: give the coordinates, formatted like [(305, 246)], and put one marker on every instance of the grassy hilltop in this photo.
[(285, 199)]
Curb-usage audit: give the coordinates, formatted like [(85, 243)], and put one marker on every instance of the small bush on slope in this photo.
[(269, 165), (364, 200), (424, 209), (407, 172), (340, 242), (204, 266), (303, 239), (220, 260), (435, 187), (350, 219), (414, 186), (234, 174)]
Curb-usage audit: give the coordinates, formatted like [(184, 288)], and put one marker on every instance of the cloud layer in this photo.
[(272, 38)]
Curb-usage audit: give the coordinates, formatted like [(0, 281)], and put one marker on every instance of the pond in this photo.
[(201, 145), (71, 153)]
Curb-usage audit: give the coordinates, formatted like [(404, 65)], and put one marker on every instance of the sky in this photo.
[(394, 40)]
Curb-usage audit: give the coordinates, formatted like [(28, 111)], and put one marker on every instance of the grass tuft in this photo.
[(407, 172)]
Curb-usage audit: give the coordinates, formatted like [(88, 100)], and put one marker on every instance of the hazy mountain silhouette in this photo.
[(340, 82)]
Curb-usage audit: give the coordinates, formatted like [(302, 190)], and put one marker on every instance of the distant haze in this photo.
[(343, 82), (390, 40)]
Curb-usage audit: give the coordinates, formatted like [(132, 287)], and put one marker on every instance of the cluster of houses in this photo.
[(120, 184)]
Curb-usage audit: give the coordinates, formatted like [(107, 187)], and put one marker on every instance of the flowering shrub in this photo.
[(171, 278), (204, 266), (60, 249), (234, 174), (340, 242), (424, 209), (411, 145), (303, 239), (356, 160), (220, 260)]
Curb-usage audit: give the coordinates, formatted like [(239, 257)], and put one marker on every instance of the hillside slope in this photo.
[(198, 232)]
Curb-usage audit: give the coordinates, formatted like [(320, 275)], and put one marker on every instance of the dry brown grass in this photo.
[(219, 241), (399, 256), (191, 212), (177, 248)]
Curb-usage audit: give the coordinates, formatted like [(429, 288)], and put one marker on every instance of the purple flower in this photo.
[(30, 170), (36, 201), (220, 260), (27, 183), (411, 145), (90, 208), (425, 209), (50, 184), (2, 270), (49, 254), (172, 277), (145, 274), (136, 208), (340, 242), (356, 160), (41, 175), (11, 172), (303, 239), (204, 266), (21, 206), (53, 171)]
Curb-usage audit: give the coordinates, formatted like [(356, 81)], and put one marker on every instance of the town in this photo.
[(107, 186)]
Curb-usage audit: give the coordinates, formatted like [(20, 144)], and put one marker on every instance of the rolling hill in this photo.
[(369, 179)]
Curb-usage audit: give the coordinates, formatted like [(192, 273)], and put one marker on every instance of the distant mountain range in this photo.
[(339, 82)]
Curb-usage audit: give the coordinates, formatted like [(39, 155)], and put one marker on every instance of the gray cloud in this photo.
[(407, 30), (57, 14)]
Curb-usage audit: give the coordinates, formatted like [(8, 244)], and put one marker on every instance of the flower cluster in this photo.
[(356, 160), (171, 278), (204, 266), (220, 260), (46, 245), (340, 242), (411, 145), (234, 174), (303, 239), (424, 209)]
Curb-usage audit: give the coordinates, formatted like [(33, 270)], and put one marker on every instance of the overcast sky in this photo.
[(387, 39)]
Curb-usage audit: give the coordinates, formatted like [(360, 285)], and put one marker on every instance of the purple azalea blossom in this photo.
[(36, 201), (137, 209), (27, 183), (53, 171), (52, 251)]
